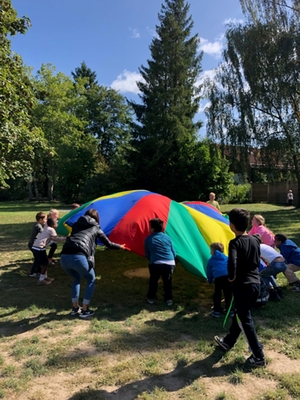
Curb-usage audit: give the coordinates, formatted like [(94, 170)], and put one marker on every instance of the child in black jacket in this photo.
[(243, 264)]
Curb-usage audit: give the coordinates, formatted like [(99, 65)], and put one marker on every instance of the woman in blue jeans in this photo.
[(78, 258)]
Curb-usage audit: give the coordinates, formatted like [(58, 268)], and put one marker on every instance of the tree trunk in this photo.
[(50, 181), (29, 187), (35, 187)]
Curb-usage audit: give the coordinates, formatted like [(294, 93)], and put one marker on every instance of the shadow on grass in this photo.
[(117, 298), (31, 206), (182, 376), (26, 305)]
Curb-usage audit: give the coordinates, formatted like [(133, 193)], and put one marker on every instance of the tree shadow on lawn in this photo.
[(117, 297), (26, 306), (181, 377)]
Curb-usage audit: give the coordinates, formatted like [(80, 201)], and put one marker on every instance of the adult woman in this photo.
[(77, 258)]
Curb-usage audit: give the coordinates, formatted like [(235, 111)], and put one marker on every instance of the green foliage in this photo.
[(18, 141), (85, 74), (108, 120), (258, 101), (107, 114), (72, 157), (165, 136), (283, 11), (238, 194)]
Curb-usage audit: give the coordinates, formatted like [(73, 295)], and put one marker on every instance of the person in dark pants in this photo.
[(38, 227), (161, 255), (217, 272), (243, 264)]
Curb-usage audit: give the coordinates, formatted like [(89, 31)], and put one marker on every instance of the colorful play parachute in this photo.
[(124, 217)]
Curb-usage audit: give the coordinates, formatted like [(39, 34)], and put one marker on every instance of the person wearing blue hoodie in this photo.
[(291, 253), (217, 272)]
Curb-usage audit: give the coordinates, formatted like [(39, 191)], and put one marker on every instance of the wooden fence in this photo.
[(273, 192)]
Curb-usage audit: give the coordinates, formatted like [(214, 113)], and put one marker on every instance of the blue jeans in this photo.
[(76, 265), (272, 270)]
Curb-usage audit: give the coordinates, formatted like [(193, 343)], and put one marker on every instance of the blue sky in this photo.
[(113, 36)]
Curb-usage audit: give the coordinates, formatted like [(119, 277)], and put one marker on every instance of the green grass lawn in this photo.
[(132, 350)]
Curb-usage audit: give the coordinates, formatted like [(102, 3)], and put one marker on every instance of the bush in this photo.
[(238, 194)]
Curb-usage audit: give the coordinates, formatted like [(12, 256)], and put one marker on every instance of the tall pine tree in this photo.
[(165, 136)]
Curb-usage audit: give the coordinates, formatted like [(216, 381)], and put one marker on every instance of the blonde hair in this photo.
[(52, 212), (217, 246), (260, 219)]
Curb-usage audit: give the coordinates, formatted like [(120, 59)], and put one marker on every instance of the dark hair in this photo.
[(258, 236), (217, 246), (93, 214), (281, 237), (156, 224), (51, 222), (239, 217), (40, 215)]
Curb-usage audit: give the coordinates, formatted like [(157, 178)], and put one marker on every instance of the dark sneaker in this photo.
[(76, 311), (231, 314), (274, 296), (150, 301), (216, 314), (253, 361), (220, 341), (169, 302), (280, 292), (86, 314)]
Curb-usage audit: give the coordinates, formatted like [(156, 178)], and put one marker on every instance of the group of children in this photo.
[(252, 258), (43, 235)]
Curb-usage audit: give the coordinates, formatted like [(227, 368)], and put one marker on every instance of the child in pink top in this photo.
[(258, 226)]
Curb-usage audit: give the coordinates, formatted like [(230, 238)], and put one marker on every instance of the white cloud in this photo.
[(206, 75), (126, 82), (233, 21), (203, 105), (212, 48), (134, 33), (152, 32)]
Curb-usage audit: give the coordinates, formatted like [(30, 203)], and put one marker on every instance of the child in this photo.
[(39, 249), (217, 271), (291, 253), (212, 201), (36, 230), (243, 264), (258, 226), (275, 264), (290, 197), (161, 255), (53, 213)]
